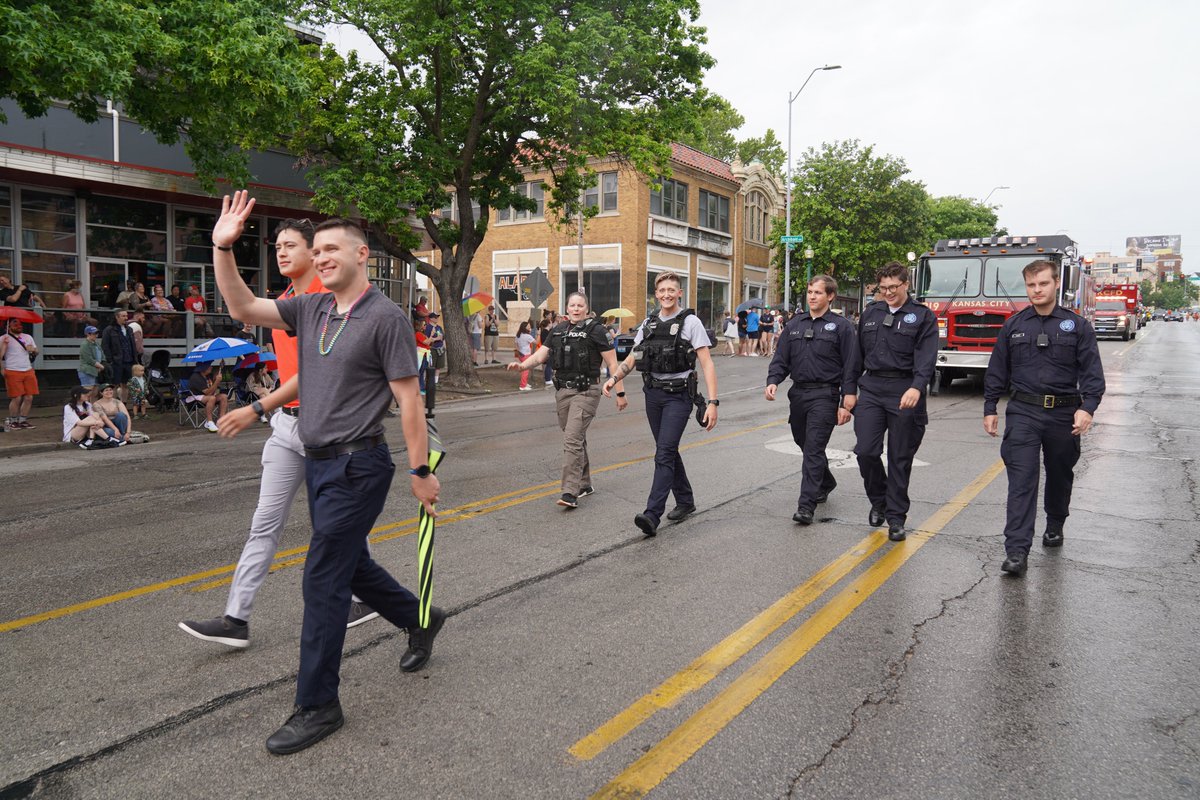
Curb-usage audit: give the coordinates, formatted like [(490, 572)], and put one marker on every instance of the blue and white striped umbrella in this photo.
[(220, 348)]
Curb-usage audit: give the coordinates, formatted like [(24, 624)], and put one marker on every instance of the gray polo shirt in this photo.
[(345, 394)]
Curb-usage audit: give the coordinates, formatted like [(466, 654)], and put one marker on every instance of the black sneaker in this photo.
[(569, 500), (420, 641), (86, 444), (647, 524), (680, 513), (584, 492), (305, 727), (221, 630), (360, 613)]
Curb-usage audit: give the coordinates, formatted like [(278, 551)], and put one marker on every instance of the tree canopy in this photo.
[(955, 217), (472, 96), (220, 76), (714, 123)]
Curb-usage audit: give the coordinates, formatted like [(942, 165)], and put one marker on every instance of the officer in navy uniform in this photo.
[(666, 349), (819, 351), (898, 339), (1049, 358)]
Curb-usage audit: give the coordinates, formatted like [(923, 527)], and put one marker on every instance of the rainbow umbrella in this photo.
[(476, 302), (425, 528)]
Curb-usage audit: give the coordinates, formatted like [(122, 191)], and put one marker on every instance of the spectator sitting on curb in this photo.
[(81, 426)]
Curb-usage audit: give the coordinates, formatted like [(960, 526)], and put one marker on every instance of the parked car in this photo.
[(1159, 315)]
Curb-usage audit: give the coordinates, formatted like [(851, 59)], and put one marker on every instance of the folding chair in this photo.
[(190, 410)]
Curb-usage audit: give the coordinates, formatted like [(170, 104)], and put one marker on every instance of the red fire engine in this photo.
[(975, 285)]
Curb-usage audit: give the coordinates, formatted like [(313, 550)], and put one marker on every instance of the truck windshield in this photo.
[(1110, 305), (943, 277), (1002, 277)]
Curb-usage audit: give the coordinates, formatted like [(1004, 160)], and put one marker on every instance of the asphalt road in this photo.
[(735, 656)]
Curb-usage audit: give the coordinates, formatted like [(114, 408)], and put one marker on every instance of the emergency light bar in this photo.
[(1063, 244)]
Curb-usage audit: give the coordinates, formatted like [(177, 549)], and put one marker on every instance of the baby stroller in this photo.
[(161, 392)]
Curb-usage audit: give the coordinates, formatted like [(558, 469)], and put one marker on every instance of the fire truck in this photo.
[(1117, 306), (975, 285)]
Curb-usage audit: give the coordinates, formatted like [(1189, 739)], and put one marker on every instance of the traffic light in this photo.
[(1139, 265), (1114, 269)]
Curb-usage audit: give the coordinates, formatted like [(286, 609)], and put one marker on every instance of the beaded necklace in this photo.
[(321, 348)]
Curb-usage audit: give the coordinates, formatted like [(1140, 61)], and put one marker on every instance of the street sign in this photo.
[(537, 286), (797, 239)]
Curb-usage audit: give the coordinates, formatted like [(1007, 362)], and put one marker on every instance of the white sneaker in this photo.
[(524, 388), (210, 426)]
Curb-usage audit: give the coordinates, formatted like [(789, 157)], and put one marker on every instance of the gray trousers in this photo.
[(282, 477), (575, 412)]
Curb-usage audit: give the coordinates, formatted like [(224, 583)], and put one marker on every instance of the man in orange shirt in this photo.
[(282, 458)]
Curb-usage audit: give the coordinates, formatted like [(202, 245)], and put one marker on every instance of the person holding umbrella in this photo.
[(17, 351), (357, 351), (576, 348)]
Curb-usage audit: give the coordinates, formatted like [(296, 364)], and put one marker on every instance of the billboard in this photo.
[(1149, 248)]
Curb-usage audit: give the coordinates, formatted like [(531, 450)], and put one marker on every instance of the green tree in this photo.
[(1171, 295), (855, 209), (471, 96), (221, 76), (955, 217), (767, 149), (714, 122)]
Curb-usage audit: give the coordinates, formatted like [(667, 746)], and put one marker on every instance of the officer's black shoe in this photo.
[(680, 512), (1014, 565), (822, 497), (647, 524), (896, 532), (1053, 537), (420, 641), (306, 727), (876, 517), (803, 515)]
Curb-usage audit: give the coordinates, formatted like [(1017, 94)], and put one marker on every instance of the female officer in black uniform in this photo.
[(1049, 357), (575, 349)]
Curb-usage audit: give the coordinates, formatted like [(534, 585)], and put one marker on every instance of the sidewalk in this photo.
[(47, 416)]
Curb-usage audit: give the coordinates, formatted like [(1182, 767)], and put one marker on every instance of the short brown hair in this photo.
[(667, 276), (892, 269), (1034, 267), (829, 283), (352, 229)]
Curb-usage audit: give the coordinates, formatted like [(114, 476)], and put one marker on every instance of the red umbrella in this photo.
[(20, 313)]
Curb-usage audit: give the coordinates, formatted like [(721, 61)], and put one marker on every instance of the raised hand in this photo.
[(234, 213)]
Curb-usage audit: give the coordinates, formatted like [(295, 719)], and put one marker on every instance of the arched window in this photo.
[(758, 217)]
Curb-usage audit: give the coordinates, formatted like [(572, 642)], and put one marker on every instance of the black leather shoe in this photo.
[(1014, 565), (1053, 537), (420, 641), (803, 515), (896, 532), (876, 518), (647, 524), (680, 512), (306, 727), (823, 496)]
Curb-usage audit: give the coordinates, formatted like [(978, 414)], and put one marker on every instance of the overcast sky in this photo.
[(1087, 110)]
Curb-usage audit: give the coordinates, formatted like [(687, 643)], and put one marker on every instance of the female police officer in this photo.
[(666, 348), (576, 347), (1049, 357)]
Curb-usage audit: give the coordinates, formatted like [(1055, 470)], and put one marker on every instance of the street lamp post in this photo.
[(787, 248), (992, 192), (808, 258)]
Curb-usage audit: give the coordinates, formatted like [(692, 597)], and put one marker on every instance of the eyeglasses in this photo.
[(895, 287)]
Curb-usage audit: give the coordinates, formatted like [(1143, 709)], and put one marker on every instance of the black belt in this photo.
[(673, 386), (291, 411), (1049, 400), (889, 373), (579, 383), (814, 385), (335, 450)]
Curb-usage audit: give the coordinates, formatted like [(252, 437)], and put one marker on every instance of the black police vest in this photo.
[(663, 348), (573, 352)]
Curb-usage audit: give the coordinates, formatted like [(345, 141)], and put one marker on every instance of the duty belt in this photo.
[(578, 383), (672, 386), (335, 450), (814, 385), (1049, 400), (889, 373)]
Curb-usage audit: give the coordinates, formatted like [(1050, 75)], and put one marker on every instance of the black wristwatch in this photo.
[(422, 471), (258, 407), (714, 402)]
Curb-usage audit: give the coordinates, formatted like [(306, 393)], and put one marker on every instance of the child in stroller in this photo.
[(162, 392)]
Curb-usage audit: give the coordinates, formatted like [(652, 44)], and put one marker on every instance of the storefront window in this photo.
[(602, 287), (712, 299), (48, 243), (6, 231)]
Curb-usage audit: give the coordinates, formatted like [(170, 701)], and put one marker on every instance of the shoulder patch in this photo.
[(1067, 325), (910, 318)]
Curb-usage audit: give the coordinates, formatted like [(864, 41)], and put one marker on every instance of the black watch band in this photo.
[(258, 407), (422, 471), (714, 402)]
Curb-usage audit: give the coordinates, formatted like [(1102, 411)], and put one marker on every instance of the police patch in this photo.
[(675, 329), (1067, 325), (910, 318), (829, 326)]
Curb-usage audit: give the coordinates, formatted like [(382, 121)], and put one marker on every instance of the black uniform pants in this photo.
[(876, 414), (668, 415), (813, 417), (1030, 432)]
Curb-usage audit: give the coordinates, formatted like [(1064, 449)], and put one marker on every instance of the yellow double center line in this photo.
[(222, 576), (687, 739)]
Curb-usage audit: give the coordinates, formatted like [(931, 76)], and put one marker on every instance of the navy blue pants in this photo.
[(876, 414), (1032, 433), (668, 415), (345, 496), (813, 417)]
